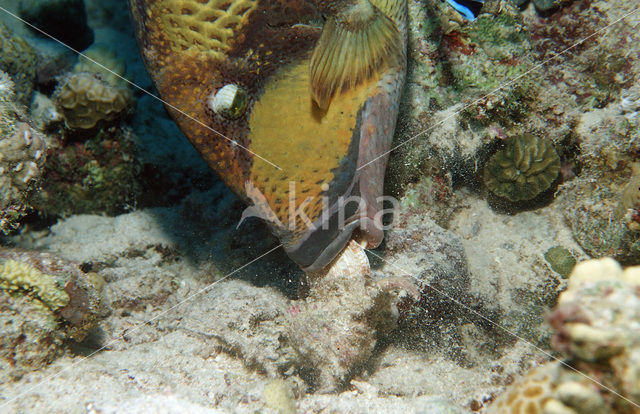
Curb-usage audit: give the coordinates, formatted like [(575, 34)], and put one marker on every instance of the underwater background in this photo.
[(127, 285)]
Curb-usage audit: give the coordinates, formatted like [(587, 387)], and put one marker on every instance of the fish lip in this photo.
[(372, 234), (330, 251)]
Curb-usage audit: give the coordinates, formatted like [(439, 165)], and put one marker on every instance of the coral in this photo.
[(22, 154), (17, 276), (43, 112), (595, 324), (57, 282), (561, 260), (93, 164), (21, 157), (44, 300), (18, 59), (595, 212), (29, 336), (65, 20), (99, 175), (111, 68), (601, 205), (524, 168), (85, 99), (91, 93), (492, 50)]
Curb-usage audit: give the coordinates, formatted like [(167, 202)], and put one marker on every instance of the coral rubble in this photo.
[(595, 324)]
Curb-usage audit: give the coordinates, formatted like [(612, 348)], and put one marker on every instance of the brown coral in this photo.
[(21, 160), (85, 99)]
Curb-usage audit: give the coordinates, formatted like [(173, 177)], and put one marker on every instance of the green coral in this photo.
[(561, 260), (19, 60), (523, 169), (17, 276)]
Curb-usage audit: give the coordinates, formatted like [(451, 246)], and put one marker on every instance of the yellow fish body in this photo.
[(293, 103)]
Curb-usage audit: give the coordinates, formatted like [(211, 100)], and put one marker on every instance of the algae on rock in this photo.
[(44, 301)]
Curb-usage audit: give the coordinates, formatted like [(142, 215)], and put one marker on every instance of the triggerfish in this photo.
[(292, 102)]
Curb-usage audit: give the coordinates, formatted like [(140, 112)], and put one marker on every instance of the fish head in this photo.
[(293, 110)]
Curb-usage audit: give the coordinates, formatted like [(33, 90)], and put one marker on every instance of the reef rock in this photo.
[(65, 20), (335, 328), (44, 301), (595, 329)]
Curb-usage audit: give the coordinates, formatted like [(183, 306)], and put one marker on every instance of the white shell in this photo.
[(222, 100)]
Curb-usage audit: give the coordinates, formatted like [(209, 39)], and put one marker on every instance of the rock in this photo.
[(65, 20)]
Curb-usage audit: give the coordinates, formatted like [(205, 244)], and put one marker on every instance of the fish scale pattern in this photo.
[(205, 25)]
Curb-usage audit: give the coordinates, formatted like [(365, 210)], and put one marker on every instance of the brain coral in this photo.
[(92, 93), (85, 99), (524, 168)]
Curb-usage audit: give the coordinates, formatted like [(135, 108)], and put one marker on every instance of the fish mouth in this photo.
[(319, 247), (320, 244)]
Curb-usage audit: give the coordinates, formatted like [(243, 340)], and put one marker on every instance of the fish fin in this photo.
[(353, 46)]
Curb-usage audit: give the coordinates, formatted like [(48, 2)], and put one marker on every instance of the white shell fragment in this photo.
[(229, 101)]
